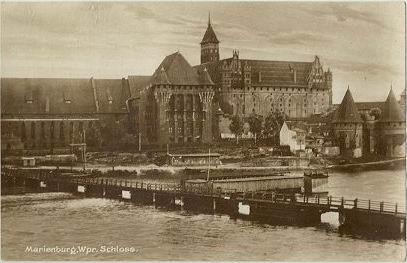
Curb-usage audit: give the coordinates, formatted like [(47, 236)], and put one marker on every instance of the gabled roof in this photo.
[(176, 70), (347, 111), (46, 96), (210, 36), (270, 73), (204, 77), (62, 96), (112, 95), (279, 72), (137, 84), (391, 110)]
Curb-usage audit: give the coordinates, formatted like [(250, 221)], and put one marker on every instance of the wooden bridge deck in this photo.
[(325, 204)]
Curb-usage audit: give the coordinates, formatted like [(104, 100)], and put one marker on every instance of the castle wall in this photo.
[(349, 137)]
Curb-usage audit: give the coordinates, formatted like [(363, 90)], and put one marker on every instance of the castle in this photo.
[(181, 103), (359, 133), (177, 104)]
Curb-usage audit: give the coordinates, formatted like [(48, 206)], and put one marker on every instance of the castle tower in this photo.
[(209, 45), (348, 127), (392, 125)]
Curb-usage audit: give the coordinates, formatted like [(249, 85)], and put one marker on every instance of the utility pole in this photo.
[(209, 164), (84, 150), (139, 141)]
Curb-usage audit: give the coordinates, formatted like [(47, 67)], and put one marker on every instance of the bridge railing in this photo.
[(205, 189)]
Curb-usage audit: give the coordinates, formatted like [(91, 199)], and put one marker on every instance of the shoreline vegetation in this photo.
[(240, 160)]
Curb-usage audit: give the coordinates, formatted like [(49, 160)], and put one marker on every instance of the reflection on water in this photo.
[(56, 219)]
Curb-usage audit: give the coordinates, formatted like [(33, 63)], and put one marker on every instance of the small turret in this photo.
[(209, 45)]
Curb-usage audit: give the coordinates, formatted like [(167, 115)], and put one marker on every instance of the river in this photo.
[(114, 230)]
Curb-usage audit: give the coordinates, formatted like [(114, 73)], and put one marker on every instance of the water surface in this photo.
[(63, 220)]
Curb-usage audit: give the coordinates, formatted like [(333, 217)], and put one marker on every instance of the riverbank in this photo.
[(397, 163)]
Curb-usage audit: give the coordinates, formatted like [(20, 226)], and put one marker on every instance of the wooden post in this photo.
[(342, 202), (395, 211), (381, 207), (355, 203), (369, 205)]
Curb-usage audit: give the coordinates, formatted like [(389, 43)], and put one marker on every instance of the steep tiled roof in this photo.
[(210, 36), (278, 72), (347, 111), (112, 95), (137, 84), (62, 96), (391, 110), (46, 95), (176, 70), (266, 72), (204, 77), (369, 105)]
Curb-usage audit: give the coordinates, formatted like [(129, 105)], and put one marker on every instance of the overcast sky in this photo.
[(362, 43)]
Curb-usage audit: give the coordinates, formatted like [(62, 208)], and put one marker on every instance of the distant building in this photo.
[(391, 129), (403, 100), (177, 104), (347, 127), (292, 137), (246, 86), (356, 135), (53, 113)]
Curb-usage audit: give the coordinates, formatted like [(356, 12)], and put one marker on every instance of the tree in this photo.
[(93, 136), (128, 141), (272, 125), (236, 127), (375, 112), (255, 122), (112, 132)]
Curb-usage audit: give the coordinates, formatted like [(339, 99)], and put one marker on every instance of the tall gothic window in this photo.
[(51, 130), (23, 135), (62, 131), (71, 132), (81, 127), (42, 130)]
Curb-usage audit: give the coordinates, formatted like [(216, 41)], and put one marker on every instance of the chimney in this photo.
[(295, 76)]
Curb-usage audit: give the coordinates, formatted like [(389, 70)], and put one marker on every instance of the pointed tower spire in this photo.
[(392, 111), (347, 111), (209, 44)]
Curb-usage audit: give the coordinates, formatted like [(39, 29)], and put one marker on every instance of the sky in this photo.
[(362, 43)]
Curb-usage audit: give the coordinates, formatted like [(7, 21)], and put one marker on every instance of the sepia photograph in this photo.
[(203, 131)]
